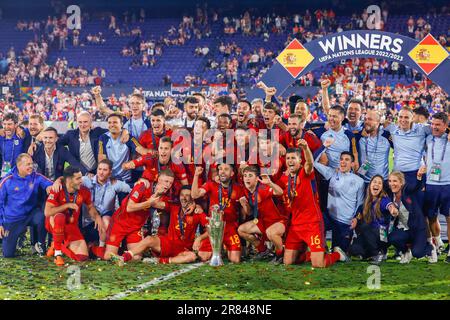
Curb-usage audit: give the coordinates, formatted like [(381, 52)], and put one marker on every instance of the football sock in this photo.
[(164, 260), (81, 257), (127, 256), (58, 231), (261, 247), (331, 258)]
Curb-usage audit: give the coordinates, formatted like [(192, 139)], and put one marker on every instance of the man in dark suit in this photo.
[(83, 142), (50, 157)]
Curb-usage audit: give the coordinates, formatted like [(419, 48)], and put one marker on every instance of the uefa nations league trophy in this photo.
[(215, 229)]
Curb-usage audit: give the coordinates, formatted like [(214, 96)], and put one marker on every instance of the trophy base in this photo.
[(216, 261)]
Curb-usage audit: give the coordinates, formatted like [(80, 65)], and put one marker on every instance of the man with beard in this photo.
[(11, 144), (374, 145), (62, 212), (191, 108), (179, 244), (306, 221), (228, 196), (290, 139), (303, 109), (127, 222), (353, 121), (35, 126), (265, 219), (243, 115)]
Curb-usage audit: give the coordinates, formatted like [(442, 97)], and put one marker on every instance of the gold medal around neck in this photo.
[(255, 221)]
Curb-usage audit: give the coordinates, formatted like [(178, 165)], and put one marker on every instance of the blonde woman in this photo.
[(409, 235)]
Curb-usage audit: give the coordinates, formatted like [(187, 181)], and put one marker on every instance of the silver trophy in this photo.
[(156, 221), (215, 229)]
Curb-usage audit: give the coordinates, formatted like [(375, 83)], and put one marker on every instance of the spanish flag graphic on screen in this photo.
[(428, 54), (294, 58)]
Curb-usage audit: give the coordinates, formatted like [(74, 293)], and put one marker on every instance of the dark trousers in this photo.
[(367, 243), (341, 234), (15, 229), (417, 239), (410, 178)]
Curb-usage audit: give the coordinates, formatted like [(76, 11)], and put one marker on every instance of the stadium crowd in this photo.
[(146, 184)]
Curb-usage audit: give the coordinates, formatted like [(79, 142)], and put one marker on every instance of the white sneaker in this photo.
[(434, 257), (152, 260), (406, 257), (343, 257), (440, 246)]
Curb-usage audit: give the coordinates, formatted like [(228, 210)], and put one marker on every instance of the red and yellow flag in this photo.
[(428, 54), (294, 58)]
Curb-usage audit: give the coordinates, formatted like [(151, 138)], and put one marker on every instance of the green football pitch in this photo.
[(31, 277)]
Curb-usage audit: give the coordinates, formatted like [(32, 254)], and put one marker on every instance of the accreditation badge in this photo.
[(435, 174), (383, 234), (364, 168), (6, 167)]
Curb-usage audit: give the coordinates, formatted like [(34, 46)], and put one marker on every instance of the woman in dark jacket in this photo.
[(409, 235), (373, 224)]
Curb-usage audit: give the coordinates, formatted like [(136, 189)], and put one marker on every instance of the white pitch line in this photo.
[(153, 282)]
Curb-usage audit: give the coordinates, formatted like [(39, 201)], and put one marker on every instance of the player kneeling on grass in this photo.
[(127, 222), (179, 244), (306, 220), (266, 218), (62, 212)]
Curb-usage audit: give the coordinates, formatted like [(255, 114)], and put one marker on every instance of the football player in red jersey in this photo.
[(128, 220), (180, 243), (266, 220), (62, 211), (149, 139), (306, 227), (228, 196), (296, 131), (153, 166)]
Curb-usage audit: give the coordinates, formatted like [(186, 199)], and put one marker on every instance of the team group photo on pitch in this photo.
[(225, 135)]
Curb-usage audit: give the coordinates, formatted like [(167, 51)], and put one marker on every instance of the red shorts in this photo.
[(117, 232), (231, 240), (71, 231), (263, 225), (171, 248), (311, 234)]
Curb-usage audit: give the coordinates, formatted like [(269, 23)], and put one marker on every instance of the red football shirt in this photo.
[(231, 203), (146, 138), (267, 210), (151, 168), (59, 199), (304, 205), (138, 194), (189, 225), (288, 141)]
